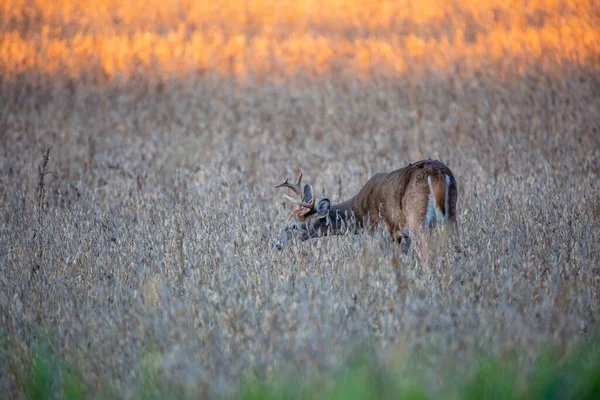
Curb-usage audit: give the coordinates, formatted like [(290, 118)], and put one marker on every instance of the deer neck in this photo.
[(342, 216), (345, 207)]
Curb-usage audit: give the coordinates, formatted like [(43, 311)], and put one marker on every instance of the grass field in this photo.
[(136, 257)]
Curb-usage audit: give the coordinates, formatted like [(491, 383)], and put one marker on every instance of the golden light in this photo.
[(248, 38)]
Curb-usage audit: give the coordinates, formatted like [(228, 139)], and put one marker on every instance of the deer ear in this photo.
[(308, 193), (323, 206)]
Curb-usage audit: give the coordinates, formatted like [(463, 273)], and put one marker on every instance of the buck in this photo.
[(409, 200)]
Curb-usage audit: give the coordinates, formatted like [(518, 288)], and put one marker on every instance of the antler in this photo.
[(298, 190), (294, 187), (310, 204)]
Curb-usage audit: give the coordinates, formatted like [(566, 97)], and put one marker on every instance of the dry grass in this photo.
[(150, 242)]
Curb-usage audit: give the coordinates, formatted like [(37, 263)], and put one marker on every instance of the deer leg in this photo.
[(404, 240), (400, 236), (391, 229), (421, 239), (393, 234), (455, 236)]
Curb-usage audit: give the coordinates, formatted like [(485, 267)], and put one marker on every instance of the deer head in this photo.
[(307, 220)]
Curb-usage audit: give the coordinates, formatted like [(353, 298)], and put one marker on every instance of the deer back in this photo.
[(402, 195)]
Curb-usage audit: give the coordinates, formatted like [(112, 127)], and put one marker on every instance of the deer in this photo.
[(409, 201)]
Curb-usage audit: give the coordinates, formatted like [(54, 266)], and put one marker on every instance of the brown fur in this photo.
[(403, 196), (399, 199), (438, 182)]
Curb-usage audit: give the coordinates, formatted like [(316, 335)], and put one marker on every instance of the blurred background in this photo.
[(105, 40)]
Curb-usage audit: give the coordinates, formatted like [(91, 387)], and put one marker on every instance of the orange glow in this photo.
[(280, 38)]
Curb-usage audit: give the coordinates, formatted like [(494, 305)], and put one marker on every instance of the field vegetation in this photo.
[(139, 145)]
